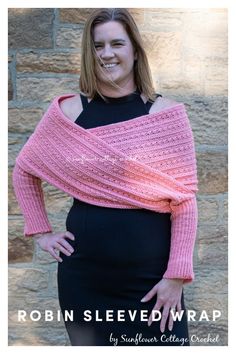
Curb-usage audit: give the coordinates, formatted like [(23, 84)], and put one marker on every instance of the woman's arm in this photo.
[(29, 194)]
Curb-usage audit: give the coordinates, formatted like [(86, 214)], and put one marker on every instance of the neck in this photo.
[(110, 91)]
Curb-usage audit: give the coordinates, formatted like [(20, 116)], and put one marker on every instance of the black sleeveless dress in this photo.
[(120, 254)]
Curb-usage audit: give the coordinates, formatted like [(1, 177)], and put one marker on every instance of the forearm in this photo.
[(184, 220), (29, 195)]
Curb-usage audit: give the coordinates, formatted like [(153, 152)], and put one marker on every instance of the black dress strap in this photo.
[(84, 101), (148, 104)]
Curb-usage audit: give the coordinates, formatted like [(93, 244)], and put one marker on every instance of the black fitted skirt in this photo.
[(120, 254)]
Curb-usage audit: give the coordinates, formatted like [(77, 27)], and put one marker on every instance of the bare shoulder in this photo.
[(162, 103), (71, 107)]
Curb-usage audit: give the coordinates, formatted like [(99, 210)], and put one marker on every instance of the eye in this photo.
[(118, 44), (98, 46)]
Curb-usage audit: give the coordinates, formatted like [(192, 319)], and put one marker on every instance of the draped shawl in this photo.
[(146, 162)]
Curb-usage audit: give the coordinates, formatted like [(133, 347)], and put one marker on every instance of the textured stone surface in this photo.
[(162, 45), (10, 86), (48, 62), (212, 172), (30, 28), (69, 38), (74, 15), (211, 280), (212, 233), (20, 249), (41, 336), (208, 115), (201, 330), (26, 280), (164, 19), (57, 200), (208, 211), (24, 120), (44, 89), (16, 142), (210, 254)]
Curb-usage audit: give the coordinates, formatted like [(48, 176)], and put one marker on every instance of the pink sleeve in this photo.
[(184, 215), (184, 218), (29, 194)]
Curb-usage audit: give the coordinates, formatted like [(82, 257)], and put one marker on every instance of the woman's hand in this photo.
[(51, 242), (168, 292)]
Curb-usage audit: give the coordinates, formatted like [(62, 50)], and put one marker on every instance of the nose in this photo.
[(107, 52)]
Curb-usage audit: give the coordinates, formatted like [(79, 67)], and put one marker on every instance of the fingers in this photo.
[(157, 307), (54, 254), (179, 307), (51, 243), (149, 295), (66, 245), (58, 246), (69, 235), (167, 312), (171, 321)]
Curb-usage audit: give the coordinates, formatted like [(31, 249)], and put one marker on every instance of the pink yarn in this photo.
[(145, 162)]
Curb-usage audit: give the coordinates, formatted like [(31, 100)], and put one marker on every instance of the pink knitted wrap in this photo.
[(145, 162)]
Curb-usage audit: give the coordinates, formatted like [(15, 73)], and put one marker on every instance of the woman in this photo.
[(131, 168)]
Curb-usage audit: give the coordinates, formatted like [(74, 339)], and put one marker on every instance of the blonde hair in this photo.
[(142, 74)]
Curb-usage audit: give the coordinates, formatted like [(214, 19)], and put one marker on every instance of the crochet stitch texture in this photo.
[(145, 162)]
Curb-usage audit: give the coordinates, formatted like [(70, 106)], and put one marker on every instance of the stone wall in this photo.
[(187, 50)]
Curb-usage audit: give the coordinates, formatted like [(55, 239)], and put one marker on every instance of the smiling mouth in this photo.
[(109, 66)]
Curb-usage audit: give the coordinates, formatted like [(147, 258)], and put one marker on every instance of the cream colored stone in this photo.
[(78, 15), (212, 172), (207, 211), (16, 142), (69, 38), (48, 62), (26, 280), (209, 254), (212, 233), (44, 89), (24, 120), (20, 248), (209, 119)]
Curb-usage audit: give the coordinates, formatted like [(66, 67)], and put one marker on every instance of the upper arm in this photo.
[(72, 107), (162, 103)]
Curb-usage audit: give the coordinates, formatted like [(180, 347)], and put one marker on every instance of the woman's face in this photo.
[(116, 54)]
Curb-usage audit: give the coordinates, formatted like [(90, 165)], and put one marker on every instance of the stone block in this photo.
[(212, 254), (78, 15), (41, 336), (70, 38), (199, 331), (58, 202), (20, 248), (24, 120), (209, 119), (30, 28), (27, 280), (10, 86), (163, 19), (205, 38), (48, 62), (212, 172), (210, 280), (216, 78), (16, 142), (212, 233), (45, 89), (160, 46), (208, 210), (13, 207)]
